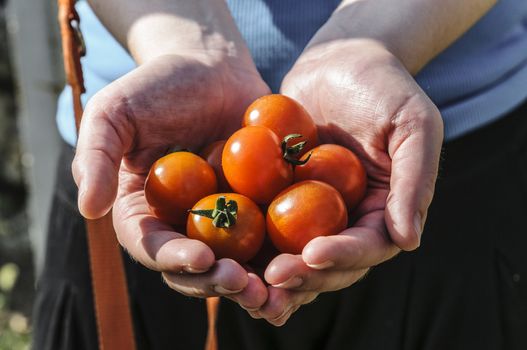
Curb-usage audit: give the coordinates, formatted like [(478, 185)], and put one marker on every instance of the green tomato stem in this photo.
[(290, 152), (224, 215)]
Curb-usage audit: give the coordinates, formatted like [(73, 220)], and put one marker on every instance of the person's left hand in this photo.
[(363, 98)]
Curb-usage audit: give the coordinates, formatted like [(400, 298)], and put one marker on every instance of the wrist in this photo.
[(156, 35), (339, 34), (414, 31), (354, 55), (172, 27)]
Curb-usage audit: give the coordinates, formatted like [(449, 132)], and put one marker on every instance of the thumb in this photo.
[(414, 147), (103, 139)]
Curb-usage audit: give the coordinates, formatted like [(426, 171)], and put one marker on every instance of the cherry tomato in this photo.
[(230, 224), (284, 116), (339, 167), (255, 165), (175, 183), (212, 154), (303, 211)]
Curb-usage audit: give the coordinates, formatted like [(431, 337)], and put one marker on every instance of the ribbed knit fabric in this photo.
[(483, 75), (476, 80), (277, 31)]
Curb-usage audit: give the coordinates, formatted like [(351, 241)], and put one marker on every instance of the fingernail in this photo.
[(254, 314), (222, 290), (282, 319), (293, 282), (191, 269), (326, 264), (286, 311), (80, 196), (418, 223), (250, 309)]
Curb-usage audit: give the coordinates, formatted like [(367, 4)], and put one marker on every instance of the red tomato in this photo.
[(284, 116), (254, 164), (339, 167), (175, 183), (237, 231), (304, 211), (212, 154)]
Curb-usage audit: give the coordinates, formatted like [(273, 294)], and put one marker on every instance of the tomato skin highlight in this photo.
[(338, 167), (175, 183), (241, 241), (212, 154), (254, 166), (303, 211), (284, 116)]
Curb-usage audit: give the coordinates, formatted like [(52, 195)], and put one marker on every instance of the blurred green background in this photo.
[(29, 83), (16, 266), (16, 269)]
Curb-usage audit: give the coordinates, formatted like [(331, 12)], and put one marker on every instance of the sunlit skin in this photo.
[(175, 183), (253, 164), (302, 212), (212, 154), (284, 116), (339, 167), (240, 241)]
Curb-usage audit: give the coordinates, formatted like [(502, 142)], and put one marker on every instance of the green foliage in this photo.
[(11, 339), (8, 276), (14, 327)]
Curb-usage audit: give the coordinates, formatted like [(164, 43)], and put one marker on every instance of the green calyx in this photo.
[(224, 215), (290, 152)]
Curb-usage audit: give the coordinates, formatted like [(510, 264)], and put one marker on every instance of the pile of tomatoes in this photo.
[(272, 165)]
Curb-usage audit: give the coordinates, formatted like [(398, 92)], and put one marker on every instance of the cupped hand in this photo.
[(363, 98), (185, 101)]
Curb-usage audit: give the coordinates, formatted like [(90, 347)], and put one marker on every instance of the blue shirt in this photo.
[(478, 79)]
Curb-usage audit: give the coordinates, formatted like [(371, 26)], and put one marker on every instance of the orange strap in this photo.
[(110, 293), (112, 306), (213, 304)]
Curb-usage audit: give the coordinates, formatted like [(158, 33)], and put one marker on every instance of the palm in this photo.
[(382, 115)]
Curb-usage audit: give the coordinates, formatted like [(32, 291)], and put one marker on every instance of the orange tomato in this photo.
[(284, 116), (175, 183), (303, 211), (254, 164), (237, 231), (338, 167)]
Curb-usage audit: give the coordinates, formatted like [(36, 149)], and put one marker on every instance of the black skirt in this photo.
[(464, 288)]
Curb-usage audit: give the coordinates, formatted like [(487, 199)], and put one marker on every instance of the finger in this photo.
[(253, 296), (290, 272), (148, 240), (224, 278), (282, 319), (364, 245), (104, 137), (414, 147), (281, 303)]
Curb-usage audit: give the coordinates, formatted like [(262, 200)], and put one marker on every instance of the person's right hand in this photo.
[(186, 101)]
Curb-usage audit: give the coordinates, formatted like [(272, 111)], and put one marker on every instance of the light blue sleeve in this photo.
[(106, 60)]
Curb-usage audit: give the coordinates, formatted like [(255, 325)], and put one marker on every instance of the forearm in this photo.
[(148, 29), (414, 31)]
